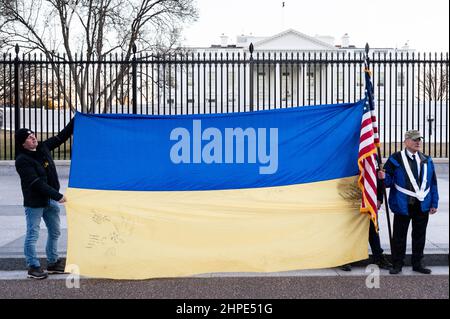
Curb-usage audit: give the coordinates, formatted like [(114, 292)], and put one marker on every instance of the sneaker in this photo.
[(57, 267), (346, 267), (422, 270), (382, 262), (36, 273)]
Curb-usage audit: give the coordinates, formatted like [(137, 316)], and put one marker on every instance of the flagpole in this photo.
[(380, 161)]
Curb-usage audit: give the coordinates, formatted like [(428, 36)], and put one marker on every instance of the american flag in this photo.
[(370, 100), (368, 142)]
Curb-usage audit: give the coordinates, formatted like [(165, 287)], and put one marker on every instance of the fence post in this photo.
[(134, 75), (251, 49), (16, 90)]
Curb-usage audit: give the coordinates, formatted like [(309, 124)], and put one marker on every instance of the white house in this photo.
[(283, 71)]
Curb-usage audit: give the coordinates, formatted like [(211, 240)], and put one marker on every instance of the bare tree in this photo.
[(434, 84), (96, 28)]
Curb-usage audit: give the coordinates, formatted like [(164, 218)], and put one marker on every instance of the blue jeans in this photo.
[(50, 214)]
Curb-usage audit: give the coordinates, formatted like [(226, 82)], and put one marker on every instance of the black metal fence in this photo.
[(42, 93)]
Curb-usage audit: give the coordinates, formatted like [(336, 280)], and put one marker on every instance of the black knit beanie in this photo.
[(21, 135)]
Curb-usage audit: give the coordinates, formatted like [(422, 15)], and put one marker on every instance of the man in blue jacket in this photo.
[(413, 197)]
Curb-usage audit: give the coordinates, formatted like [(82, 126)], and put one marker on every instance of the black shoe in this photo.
[(395, 270), (422, 270), (346, 267), (57, 267), (382, 262), (36, 273)]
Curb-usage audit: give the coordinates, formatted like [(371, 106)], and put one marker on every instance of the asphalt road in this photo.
[(391, 287)]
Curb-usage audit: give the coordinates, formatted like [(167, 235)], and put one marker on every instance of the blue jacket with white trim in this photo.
[(396, 174)]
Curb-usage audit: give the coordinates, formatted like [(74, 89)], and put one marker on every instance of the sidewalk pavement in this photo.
[(12, 221)]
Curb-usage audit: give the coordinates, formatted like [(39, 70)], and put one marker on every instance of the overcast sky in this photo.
[(382, 23)]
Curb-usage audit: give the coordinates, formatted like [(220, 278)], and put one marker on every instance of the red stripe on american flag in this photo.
[(366, 122), (369, 179), (366, 136), (370, 186), (367, 144), (367, 148)]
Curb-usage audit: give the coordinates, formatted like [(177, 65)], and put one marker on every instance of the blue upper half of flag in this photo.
[(369, 91), (216, 151)]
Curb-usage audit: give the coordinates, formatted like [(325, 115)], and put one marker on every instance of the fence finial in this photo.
[(251, 48), (16, 48), (134, 48), (366, 56)]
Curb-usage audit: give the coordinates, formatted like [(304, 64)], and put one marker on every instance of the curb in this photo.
[(14, 263)]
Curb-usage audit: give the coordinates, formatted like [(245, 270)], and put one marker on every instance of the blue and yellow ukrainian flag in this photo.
[(166, 196)]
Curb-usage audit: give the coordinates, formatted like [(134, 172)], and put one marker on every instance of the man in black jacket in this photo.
[(40, 188)]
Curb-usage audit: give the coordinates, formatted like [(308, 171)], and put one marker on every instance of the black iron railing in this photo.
[(42, 93)]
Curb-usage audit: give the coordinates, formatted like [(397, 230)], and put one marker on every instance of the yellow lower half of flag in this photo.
[(139, 235)]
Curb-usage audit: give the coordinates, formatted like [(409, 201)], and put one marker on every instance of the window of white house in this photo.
[(310, 78), (232, 85), (340, 78), (170, 85), (340, 82), (211, 83), (210, 87), (262, 85), (360, 79), (286, 85), (400, 79), (190, 81), (310, 81), (380, 78), (170, 77)]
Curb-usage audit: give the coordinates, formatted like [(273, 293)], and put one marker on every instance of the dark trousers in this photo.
[(419, 227), (374, 241)]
